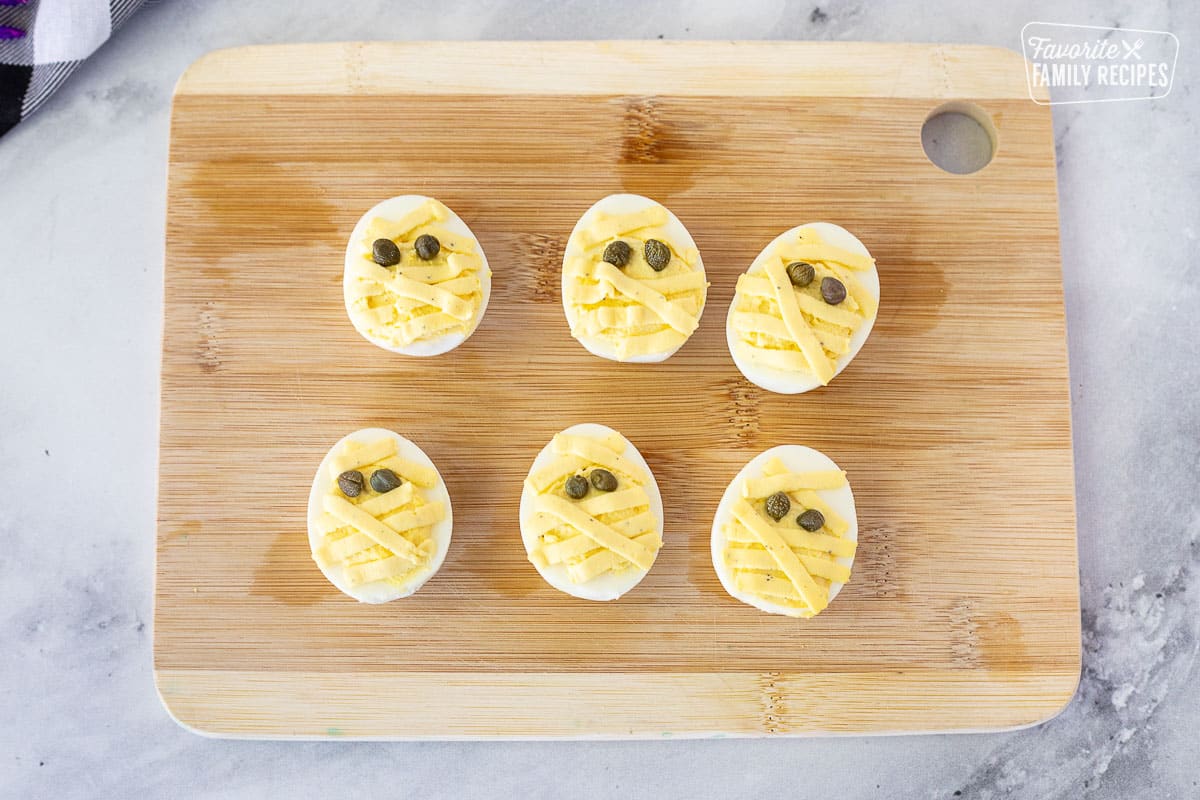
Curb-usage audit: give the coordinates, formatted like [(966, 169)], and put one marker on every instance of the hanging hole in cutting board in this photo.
[(959, 137)]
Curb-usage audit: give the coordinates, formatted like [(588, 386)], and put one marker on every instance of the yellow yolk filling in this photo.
[(378, 537), (636, 310), (602, 532), (778, 561), (416, 299), (790, 328)]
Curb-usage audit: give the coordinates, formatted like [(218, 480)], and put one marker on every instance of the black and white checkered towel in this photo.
[(43, 41)]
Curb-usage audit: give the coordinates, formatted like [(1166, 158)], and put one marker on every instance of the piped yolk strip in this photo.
[(544, 478), (802, 335), (627, 317), (810, 251), (418, 517), (576, 546), (762, 561), (607, 226), (370, 526), (784, 558), (430, 295), (808, 498), (429, 211), (796, 537), (632, 551), (423, 476), (793, 482), (642, 292), (356, 455), (597, 453), (763, 287), (456, 243), (774, 587), (381, 569), (383, 504), (603, 561), (677, 287)]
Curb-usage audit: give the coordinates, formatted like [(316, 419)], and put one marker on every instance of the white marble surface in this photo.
[(81, 194)]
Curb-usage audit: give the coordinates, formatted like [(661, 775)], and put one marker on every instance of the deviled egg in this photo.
[(803, 309), (785, 532), (633, 282), (416, 280), (379, 516), (591, 513)]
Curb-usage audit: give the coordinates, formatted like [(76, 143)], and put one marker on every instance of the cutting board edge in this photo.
[(298, 705), (700, 68)]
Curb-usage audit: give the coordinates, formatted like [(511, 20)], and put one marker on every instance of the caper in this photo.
[(833, 290), (778, 505), (385, 252), (384, 480), (427, 246), (658, 255), (604, 480), (801, 273), (351, 483), (577, 486), (811, 520), (617, 253)]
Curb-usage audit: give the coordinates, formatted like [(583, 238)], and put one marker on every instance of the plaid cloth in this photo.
[(43, 41)]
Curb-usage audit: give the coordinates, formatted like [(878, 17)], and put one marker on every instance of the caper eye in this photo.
[(811, 520), (657, 254), (385, 253), (427, 246), (833, 291), (604, 480), (351, 483), (778, 506), (617, 253), (801, 273), (384, 480), (576, 487)]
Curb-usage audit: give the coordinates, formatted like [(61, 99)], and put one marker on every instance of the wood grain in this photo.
[(953, 422)]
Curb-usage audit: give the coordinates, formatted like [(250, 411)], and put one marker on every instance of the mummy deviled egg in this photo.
[(803, 309), (416, 280), (591, 513), (633, 283), (785, 532), (379, 517)]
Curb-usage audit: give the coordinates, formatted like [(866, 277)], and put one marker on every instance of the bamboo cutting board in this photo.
[(953, 423)]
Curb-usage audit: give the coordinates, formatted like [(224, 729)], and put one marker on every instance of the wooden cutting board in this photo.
[(953, 423)]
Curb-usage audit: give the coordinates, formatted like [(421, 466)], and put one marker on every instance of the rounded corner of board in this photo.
[(1057, 699), (166, 686), (228, 68), (198, 72)]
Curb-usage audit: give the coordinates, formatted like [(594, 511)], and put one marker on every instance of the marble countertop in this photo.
[(82, 194)]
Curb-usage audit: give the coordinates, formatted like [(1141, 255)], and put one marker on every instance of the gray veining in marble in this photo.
[(81, 198)]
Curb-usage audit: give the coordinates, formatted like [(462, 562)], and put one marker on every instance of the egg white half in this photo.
[(782, 382), (395, 208), (380, 591), (796, 458), (610, 585), (675, 231)]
